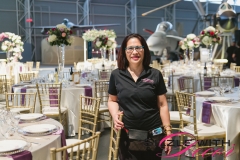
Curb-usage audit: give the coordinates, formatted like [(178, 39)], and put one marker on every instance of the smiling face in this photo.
[(135, 57)]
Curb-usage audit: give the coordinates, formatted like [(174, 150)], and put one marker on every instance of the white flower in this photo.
[(191, 36), (183, 47), (207, 40), (4, 47), (16, 50), (61, 26), (52, 38), (210, 28), (109, 43), (190, 44), (70, 39), (98, 43)]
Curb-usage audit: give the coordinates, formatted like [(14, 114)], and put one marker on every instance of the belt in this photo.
[(154, 132)]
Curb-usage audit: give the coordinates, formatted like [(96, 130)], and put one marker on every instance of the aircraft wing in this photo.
[(175, 37), (94, 25)]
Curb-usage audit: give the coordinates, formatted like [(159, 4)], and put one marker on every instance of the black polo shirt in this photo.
[(138, 100)]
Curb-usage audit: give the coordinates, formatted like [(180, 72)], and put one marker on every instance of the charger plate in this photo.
[(9, 145), (39, 128), (219, 99), (30, 116), (205, 93)]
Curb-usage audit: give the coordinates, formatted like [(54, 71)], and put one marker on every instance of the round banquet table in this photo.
[(40, 146)]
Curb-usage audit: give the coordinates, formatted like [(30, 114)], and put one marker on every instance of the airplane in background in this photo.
[(73, 26), (164, 37)]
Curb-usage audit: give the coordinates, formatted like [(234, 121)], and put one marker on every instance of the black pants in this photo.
[(140, 150)]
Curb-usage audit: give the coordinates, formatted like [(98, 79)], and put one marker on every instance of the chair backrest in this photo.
[(104, 74), (101, 90), (26, 76), (114, 142), (236, 69), (21, 100), (3, 84), (186, 83), (49, 95), (232, 65), (88, 114), (186, 103), (37, 65), (208, 81), (86, 150)]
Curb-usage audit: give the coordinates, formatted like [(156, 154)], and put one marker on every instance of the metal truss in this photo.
[(83, 12), (131, 17), (169, 14)]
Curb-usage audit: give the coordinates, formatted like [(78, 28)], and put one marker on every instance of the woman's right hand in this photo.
[(118, 124)]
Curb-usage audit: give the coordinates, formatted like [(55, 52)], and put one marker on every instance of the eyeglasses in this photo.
[(131, 48)]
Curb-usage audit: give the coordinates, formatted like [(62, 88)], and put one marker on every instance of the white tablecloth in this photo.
[(227, 116), (69, 99), (40, 148)]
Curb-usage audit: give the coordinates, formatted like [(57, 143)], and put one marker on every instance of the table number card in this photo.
[(76, 77)]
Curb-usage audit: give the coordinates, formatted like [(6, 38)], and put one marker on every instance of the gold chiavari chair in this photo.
[(49, 95), (37, 66), (86, 150), (104, 74), (232, 65), (88, 116), (101, 91), (194, 130), (114, 142), (3, 88), (236, 69), (208, 81), (186, 84), (21, 102), (26, 76)]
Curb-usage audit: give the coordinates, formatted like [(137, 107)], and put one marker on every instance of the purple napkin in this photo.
[(181, 83), (236, 81), (84, 74), (53, 96), (169, 79), (207, 82), (206, 112), (25, 155), (88, 91), (23, 90)]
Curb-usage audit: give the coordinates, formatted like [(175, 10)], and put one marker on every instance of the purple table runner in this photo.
[(206, 112), (236, 81), (63, 139), (53, 96), (25, 155), (88, 91), (23, 90)]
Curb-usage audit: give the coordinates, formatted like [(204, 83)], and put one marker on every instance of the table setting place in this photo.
[(20, 134)]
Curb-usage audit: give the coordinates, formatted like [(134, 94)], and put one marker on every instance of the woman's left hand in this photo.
[(168, 146)]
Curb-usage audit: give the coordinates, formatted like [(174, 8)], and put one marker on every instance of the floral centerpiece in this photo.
[(210, 36), (12, 45), (191, 41), (101, 38), (60, 35)]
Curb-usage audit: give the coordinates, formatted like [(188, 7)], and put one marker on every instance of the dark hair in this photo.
[(122, 59)]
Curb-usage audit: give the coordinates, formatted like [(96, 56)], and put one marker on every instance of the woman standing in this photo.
[(138, 91)]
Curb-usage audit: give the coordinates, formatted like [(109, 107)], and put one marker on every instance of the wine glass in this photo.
[(223, 85)]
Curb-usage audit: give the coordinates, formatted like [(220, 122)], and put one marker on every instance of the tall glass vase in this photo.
[(110, 55), (185, 56), (210, 47), (103, 53), (191, 54), (61, 60), (8, 55)]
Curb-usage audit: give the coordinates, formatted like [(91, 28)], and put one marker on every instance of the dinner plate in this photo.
[(219, 99), (205, 93), (39, 128), (11, 145), (82, 85), (30, 116)]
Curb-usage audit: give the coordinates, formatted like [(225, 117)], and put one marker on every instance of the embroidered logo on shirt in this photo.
[(147, 80)]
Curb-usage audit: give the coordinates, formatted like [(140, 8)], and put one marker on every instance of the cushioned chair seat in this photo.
[(205, 130), (174, 116), (19, 109), (53, 110), (73, 141)]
